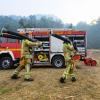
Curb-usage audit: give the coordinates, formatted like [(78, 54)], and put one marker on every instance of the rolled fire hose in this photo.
[(40, 57)]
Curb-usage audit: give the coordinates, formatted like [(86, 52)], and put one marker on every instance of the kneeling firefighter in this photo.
[(68, 50), (26, 57)]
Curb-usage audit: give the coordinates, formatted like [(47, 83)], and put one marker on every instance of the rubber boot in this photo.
[(27, 74), (14, 76), (73, 79), (62, 80), (29, 79)]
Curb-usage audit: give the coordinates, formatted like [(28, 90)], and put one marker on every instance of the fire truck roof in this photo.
[(46, 31)]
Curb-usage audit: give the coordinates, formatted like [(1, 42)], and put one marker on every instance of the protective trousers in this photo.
[(24, 63), (69, 69)]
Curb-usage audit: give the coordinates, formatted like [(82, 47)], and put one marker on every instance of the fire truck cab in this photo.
[(9, 52)]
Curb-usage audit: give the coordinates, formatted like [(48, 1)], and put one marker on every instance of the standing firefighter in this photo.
[(26, 57), (68, 50)]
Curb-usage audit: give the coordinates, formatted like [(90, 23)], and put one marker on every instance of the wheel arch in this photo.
[(7, 54), (56, 56)]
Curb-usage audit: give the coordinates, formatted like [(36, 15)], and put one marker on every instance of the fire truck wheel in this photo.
[(58, 61), (6, 62)]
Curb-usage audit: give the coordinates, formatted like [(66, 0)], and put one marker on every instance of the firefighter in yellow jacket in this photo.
[(25, 61), (68, 50)]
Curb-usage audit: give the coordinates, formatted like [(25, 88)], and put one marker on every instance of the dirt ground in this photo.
[(46, 85)]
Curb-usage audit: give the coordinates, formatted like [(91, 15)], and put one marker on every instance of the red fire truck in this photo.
[(50, 54)]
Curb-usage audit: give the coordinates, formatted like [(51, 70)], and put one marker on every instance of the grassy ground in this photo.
[(46, 85)]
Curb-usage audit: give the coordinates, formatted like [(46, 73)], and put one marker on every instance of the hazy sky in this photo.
[(69, 11)]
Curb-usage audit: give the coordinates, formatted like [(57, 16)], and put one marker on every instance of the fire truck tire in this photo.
[(6, 62), (58, 61)]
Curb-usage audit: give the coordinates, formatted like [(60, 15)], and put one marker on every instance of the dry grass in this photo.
[(46, 84)]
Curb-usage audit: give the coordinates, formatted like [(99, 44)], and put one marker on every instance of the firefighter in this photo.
[(68, 50), (26, 57)]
